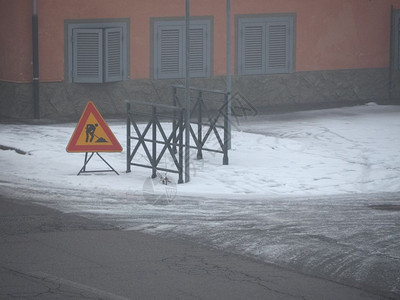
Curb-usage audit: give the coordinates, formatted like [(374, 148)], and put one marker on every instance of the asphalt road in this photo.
[(47, 254)]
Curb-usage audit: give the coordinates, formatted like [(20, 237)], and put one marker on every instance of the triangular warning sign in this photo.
[(92, 134)]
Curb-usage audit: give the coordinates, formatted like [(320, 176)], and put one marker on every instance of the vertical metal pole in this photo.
[(175, 123), (154, 144), (35, 61), (187, 93), (225, 159), (180, 135), (228, 71), (200, 126), (128, 137)]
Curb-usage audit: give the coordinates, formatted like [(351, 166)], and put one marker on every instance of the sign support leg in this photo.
[(112, 169), (87, 159)]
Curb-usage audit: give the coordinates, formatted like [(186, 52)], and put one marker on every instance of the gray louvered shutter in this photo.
[(278, 47), (396, 44), (87, 55), (170, 52), (198, 51), (113, 54), (253, 55)]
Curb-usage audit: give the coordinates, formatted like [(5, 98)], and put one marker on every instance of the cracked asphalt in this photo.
[(47, 254)]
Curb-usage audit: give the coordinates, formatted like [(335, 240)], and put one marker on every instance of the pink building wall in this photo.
[(16, 40), (330, 35)]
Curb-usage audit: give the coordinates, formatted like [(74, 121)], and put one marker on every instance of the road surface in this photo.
[(48, 254)]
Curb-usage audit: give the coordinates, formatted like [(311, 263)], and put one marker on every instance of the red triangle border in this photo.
[(72, 145)]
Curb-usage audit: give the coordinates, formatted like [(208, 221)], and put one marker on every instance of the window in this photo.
[(97, 52), (169, 49), (265, 45)]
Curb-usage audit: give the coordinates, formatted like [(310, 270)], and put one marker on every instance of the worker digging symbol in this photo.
[(90, 129)]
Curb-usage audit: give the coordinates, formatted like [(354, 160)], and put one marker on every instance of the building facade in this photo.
[(284, 52)]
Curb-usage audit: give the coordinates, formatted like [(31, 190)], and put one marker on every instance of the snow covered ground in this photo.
[(304, 190)]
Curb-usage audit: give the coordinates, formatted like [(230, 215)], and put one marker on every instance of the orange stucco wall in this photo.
[(340, 34), (345, 35), (139, 12), (16, 40)]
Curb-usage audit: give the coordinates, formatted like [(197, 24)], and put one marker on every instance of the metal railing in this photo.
[(154, 135), (208, 120), (209, 116)]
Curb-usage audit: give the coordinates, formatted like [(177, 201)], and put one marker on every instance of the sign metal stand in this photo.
[(87, 159), (92, 135)]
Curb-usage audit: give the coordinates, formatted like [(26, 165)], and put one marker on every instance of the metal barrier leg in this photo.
[(225, 159), (200, 127), (154, 144), (180, 135), (128, 138), (175, 122)]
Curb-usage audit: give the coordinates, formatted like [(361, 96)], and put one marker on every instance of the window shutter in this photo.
[(198, 52), (87, 55), (253, 59), (170, 56), (113, 54), (266, 45), (397, 51), (278, 47), (397, 45), (169, 49)]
